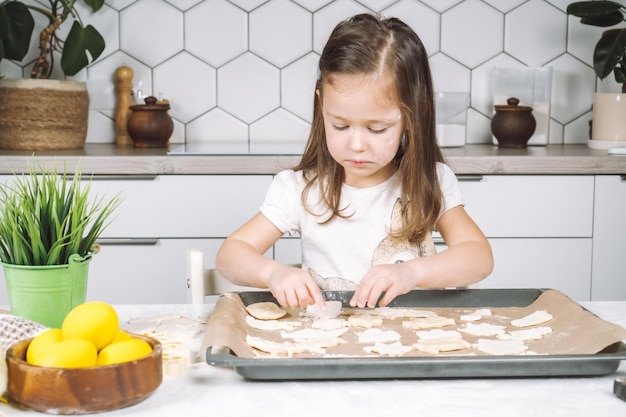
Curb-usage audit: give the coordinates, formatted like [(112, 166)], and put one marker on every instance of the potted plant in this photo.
[(23, 102), (48, 232), (609, 110)]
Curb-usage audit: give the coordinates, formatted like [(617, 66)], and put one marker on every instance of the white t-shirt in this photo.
[(345, 247)]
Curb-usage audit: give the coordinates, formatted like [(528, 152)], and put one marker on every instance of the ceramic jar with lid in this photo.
[(149, 125), (513, 125)]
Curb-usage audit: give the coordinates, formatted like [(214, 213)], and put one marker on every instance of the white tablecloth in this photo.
[(208, 391)]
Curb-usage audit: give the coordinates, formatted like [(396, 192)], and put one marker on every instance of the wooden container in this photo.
[(149, 125), (83, 390)]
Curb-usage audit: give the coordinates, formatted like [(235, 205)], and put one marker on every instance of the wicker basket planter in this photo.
[(38, 114)]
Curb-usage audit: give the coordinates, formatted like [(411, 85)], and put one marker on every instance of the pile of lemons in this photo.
[(89, 336)]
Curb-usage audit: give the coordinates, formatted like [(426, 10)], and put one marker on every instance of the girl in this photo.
[(371, 185)]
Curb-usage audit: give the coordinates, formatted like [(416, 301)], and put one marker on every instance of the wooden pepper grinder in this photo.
[(124, 77)]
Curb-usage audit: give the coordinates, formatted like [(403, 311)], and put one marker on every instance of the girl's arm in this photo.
[(241, 260), (467, 260)]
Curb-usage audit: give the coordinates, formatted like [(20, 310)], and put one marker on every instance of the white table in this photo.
[(208, 391)]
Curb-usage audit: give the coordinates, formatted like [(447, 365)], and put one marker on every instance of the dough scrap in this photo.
[(272, 324), (427, 322), (365, 320), (501, 347), (538, 317), (438, 334), (482, 329), (265, 310), (476, 315), (388, 349), (333, 309), (533, 333), (444, 344), (377, 335)]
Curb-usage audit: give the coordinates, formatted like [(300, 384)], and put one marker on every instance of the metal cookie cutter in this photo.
[(619, 388)]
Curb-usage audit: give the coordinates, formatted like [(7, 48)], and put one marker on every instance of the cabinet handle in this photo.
[(129, 241), (468, 177), (115, 177)]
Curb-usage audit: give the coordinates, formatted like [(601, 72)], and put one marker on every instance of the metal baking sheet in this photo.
[(601, 363)]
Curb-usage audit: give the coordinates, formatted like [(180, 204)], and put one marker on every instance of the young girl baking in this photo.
[(371, 185)]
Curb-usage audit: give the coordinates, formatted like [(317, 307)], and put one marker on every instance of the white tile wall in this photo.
[(243, 71)]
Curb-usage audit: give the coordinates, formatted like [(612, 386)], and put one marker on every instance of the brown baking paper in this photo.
[(575, 330)]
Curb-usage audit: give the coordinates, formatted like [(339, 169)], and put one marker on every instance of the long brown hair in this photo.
[(358, 46)]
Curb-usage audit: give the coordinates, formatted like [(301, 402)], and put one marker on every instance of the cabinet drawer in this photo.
[(530, 206), (182, 205)]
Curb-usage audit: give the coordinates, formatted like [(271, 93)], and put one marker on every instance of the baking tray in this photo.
[(602, 363)]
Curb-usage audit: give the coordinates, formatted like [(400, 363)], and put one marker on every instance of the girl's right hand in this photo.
[(294, 287)]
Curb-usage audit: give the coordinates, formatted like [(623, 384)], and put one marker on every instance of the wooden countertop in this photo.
[(108, 159)]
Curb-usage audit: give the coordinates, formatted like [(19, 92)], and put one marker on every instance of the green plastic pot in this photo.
[(46, 294)]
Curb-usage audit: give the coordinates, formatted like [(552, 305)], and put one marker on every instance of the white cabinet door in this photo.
[(561, 264), (145, 272), (609, 239), (530, 206), (182, 206)]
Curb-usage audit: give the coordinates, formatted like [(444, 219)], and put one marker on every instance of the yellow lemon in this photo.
[(94, 320), (124, 351), (41, 343), (120, 335), (73, 353)]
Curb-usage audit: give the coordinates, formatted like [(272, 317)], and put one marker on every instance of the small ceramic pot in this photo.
[(149, 125), (513, 125)]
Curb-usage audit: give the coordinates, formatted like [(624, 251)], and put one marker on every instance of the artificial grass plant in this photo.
[(47, 216)]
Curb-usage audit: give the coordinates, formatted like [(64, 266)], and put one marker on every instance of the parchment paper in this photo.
[(574, 329)]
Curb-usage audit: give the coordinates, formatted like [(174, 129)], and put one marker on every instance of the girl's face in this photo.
[(363, 126)]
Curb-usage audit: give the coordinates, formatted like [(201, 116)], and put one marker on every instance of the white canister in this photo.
[(609, 117)]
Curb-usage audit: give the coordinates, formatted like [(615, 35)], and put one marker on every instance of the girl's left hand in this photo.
[(392, 279)]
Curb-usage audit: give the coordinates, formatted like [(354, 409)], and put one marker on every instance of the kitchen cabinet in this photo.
[(609, 239), (540, 229)]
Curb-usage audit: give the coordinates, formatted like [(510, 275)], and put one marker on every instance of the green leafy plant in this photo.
[(82, 45), (610, 50), (45, 217)]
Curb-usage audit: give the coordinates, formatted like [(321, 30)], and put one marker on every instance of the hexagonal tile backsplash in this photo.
[(243, 71)]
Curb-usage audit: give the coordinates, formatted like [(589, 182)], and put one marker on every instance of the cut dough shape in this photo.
[(534, 333), (427, 322), (501, 347), (444, 344), (392, 313), (482, 329), (378, 335), (538, 317), (365, 320), (438, 334), (275, 348), (388, 349), (329, 324), (265, 310), (333, 309), (476, 315), (306, 334), (272, 324)]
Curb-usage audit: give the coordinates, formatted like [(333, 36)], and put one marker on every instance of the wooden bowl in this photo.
[(83, 390)]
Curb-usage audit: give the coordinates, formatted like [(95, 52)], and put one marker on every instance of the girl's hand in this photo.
[(392, 279), (294, 287)]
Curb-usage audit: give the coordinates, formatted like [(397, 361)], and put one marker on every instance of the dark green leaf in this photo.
[(78, 42), (609, 52), (593, 8), (16, 28), (94, 4), (620, 74)]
